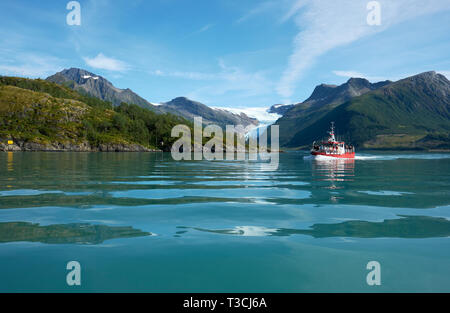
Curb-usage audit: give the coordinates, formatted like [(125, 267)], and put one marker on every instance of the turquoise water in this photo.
[(142, 222)]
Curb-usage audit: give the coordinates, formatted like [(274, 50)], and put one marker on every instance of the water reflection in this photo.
[(404, 227), (65, 233), (246, 231), (10, 161), (333, 169), (130, 180)]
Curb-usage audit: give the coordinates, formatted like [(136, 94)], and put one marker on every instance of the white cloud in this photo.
[(24, 70), (185, 75), (349, 74), (204, 28), (227, 79), (293, 10), (200, 30), (30, 65), (356, 74), (325, 25), (232, 80), (445, 73), (105, 63), (259, 9)]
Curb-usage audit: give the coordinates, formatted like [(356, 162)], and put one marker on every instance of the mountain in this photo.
[(280, 109), (38, 115), (354, 87), (188, 109), (411, 113), (98, 87), (324, 99)]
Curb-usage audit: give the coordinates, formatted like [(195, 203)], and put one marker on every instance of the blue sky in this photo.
[(226, 53)]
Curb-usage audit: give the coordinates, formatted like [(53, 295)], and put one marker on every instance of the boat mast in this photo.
[(332, 137)]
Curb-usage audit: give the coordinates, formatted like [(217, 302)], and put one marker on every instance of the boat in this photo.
[(331, 148)]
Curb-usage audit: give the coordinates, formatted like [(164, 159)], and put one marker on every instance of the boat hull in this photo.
[(337, 156)]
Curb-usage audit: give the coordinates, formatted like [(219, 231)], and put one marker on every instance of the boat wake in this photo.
[(366, 157), (325, 158), (431, 156)]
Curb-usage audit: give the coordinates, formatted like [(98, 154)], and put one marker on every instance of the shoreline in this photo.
[(68, 147)]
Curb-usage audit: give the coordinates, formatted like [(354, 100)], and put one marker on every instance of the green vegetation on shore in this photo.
[(46, 113), (413, 113)]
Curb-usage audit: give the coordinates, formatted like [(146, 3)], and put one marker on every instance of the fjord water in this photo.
[(143, 222)]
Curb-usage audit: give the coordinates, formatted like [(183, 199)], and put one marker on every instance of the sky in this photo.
[(241, 54)]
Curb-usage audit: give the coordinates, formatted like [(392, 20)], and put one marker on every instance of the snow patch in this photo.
[(260, 113), (89, 76)]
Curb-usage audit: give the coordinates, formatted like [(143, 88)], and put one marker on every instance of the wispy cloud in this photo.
[(325, 25), (261, 8), (233, 79), (349, 74), (445, 73), (186, 75), (106, 63), (30, 65), (356, 74), (200, 30), (204, 28), (293, 10), (226, 73), (227, 80)]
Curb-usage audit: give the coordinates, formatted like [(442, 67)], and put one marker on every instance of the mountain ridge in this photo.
[(97, 86), (189, 109), (280, 109), (412, 112), (323, 99)]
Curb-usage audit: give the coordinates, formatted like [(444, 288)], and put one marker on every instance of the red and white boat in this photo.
[(333, 148)]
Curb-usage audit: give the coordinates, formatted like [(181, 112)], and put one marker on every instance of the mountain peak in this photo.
[(77, 72), (354, 86), (280, 109), (358, 81), (430, 76), (98, 87), (427, 74), (321, 91), (76, 69), (429, 82), (178, 99), (184, 102), (189, 109)]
